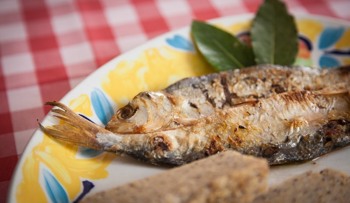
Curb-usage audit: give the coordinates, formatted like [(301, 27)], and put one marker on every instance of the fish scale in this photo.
[(282, 114)]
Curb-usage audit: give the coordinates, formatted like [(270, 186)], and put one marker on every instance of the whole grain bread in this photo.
[(327, 186), (225, 177)]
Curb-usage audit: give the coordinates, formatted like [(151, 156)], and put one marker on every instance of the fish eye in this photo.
[(126, 112)]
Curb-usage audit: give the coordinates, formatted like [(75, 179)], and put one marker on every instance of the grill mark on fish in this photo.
[(241, 127), (189, 120), (250, 102), (171, 98), (205, 92), (228, 95), (299, 97), (250, 80), (193, 105), (278, 88), (214, 146), (161, 143)]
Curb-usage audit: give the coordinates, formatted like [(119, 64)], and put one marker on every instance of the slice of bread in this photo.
[(224, 177), (327, 186)]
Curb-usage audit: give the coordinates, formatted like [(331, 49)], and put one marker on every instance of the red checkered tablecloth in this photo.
[(48, 46)]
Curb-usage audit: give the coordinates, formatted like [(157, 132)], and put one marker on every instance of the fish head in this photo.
[(147, 112)]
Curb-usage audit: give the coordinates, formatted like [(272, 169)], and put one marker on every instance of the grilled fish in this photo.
[(285, 115)]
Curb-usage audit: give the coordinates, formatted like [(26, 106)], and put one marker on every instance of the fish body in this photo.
[(198, 117)]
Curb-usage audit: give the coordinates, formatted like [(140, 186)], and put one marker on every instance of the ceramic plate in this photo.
[(49, 171)]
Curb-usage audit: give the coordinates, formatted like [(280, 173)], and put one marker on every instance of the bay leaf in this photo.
[(221, 49), (274, 34)]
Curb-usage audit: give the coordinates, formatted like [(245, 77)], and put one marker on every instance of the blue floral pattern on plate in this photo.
[(101, 105), (178, 41), (331, 56), (53, 187)]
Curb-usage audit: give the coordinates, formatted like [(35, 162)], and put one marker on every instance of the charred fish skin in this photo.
[(331, 136), (284, 128), (193, 98)]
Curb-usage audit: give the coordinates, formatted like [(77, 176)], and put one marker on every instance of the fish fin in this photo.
[(332, 92), (72, 128)]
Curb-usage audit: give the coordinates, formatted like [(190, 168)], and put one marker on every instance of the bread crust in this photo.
[(325, 186), (225, 177)]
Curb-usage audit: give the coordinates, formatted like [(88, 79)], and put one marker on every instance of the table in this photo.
[(49, 46)]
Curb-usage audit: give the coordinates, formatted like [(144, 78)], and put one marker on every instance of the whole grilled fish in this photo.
[(282, 114)]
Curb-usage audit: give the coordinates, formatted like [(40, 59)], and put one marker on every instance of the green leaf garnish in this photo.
[(221, 49), (274, 34)]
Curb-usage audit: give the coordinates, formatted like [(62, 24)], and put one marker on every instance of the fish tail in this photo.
[(73, 128)]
